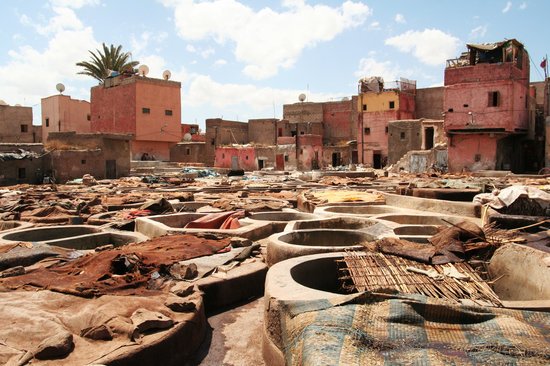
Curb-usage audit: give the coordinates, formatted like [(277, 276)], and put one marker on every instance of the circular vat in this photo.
[(416, 230), (362, 209), (12, 225), (292, 244), (416, 219), (50, 233), (282, 216), (319, 274)]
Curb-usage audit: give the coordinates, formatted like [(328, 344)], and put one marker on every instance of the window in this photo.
[(402, 135), (477, 157), (301, 151), (367, 131), (364, 107), (167, 112), (83, 161), (187, 151), (223, 156), (302, 132), (47, 122), (386, 129), (450, 110), (88, 117), (246, 157), (24, 128), (494, 97), (465, 105), (145, 110), (21, 173), (286, 157), (392, 104)]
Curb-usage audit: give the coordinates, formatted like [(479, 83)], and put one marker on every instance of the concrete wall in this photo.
[(466, 98), (188, 152), (61, 113), (340, 121), (245, 158), (263, 131), (403, 136), (223, 132), (24, 171), (303, 112), (16, 125), (71, 162), (429, 102), (464, 150), (343, 151)]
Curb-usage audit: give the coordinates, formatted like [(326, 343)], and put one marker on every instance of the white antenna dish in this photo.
[(166, 74), (302, 97), (143, 70), (187, 137), (60, 88)]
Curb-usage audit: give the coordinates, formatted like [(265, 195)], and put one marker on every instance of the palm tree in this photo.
[(111, 59)]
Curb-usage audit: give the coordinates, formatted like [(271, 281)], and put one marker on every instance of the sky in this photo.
[(240, 60)]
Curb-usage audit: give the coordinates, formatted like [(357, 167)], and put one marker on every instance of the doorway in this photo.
[(336, 159), (428, 138), (260, 164), (110, 169), (377, 160), (280, 162)]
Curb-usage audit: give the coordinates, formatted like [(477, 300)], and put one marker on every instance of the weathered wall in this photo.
[(285, 157), (262, 131), (340, 121), (12, 120), (343, 151), (156, 150), (403, 136), (102, 147), (114, 109), (303, 112), (439, 132), (429, 102), (464, 150), (310, 151), (188, 152), (61, 113), (245, 157), (24, 171), (267, 155), (223, 132)]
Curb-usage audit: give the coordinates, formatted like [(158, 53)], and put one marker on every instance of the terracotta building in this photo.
[(379, 103), (486, 107), (16, 124), (147, 108), (61, 113)]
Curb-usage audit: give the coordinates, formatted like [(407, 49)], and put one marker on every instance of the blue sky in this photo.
[(241, 59)]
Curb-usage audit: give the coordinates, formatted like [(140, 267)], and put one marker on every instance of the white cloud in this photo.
[(523, 6), (370, 67), (141, 43), (32, 73), (374, 25), (220, 62), (64, 19), (431, 46), (478, 32), (206, 53), (400, 18), (190, 48), (507, 7), (259, 101), (75, 4), (265, 40)]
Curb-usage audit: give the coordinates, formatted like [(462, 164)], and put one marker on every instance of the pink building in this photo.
[(61, 113), (486, 106), (147, 108), (379, 103)]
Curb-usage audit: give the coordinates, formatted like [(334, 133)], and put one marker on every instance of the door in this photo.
[(354, 157), (429, 138), (234, 163), (260, 164), (280, 162), (110, 169), (377, 160), (336, 159)]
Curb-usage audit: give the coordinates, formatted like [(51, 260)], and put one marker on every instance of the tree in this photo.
[(109, 59)]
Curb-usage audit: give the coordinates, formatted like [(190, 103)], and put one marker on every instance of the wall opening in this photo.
[(187, 151), (47, 122), (402, 135), (167, 112), (367, 131), (428, 138), (392, 104), (377, 160), (336, 159), (260, 164), (145, 110), (24, 128), (494, 99)]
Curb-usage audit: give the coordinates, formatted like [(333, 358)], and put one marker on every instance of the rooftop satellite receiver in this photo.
[(143, 70), (60, 88), (302, 97), (187, 137), (166, 74)]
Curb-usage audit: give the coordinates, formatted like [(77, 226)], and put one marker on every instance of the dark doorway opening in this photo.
[(429, 138), (110, 169), (260, 164), (336, 159), (377, 160), (354, 157)]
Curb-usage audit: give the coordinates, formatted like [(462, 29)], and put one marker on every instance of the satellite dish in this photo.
[(302, 97), (187, 137), (166, 74), (2, 102), (60, 88), (143, 70)]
